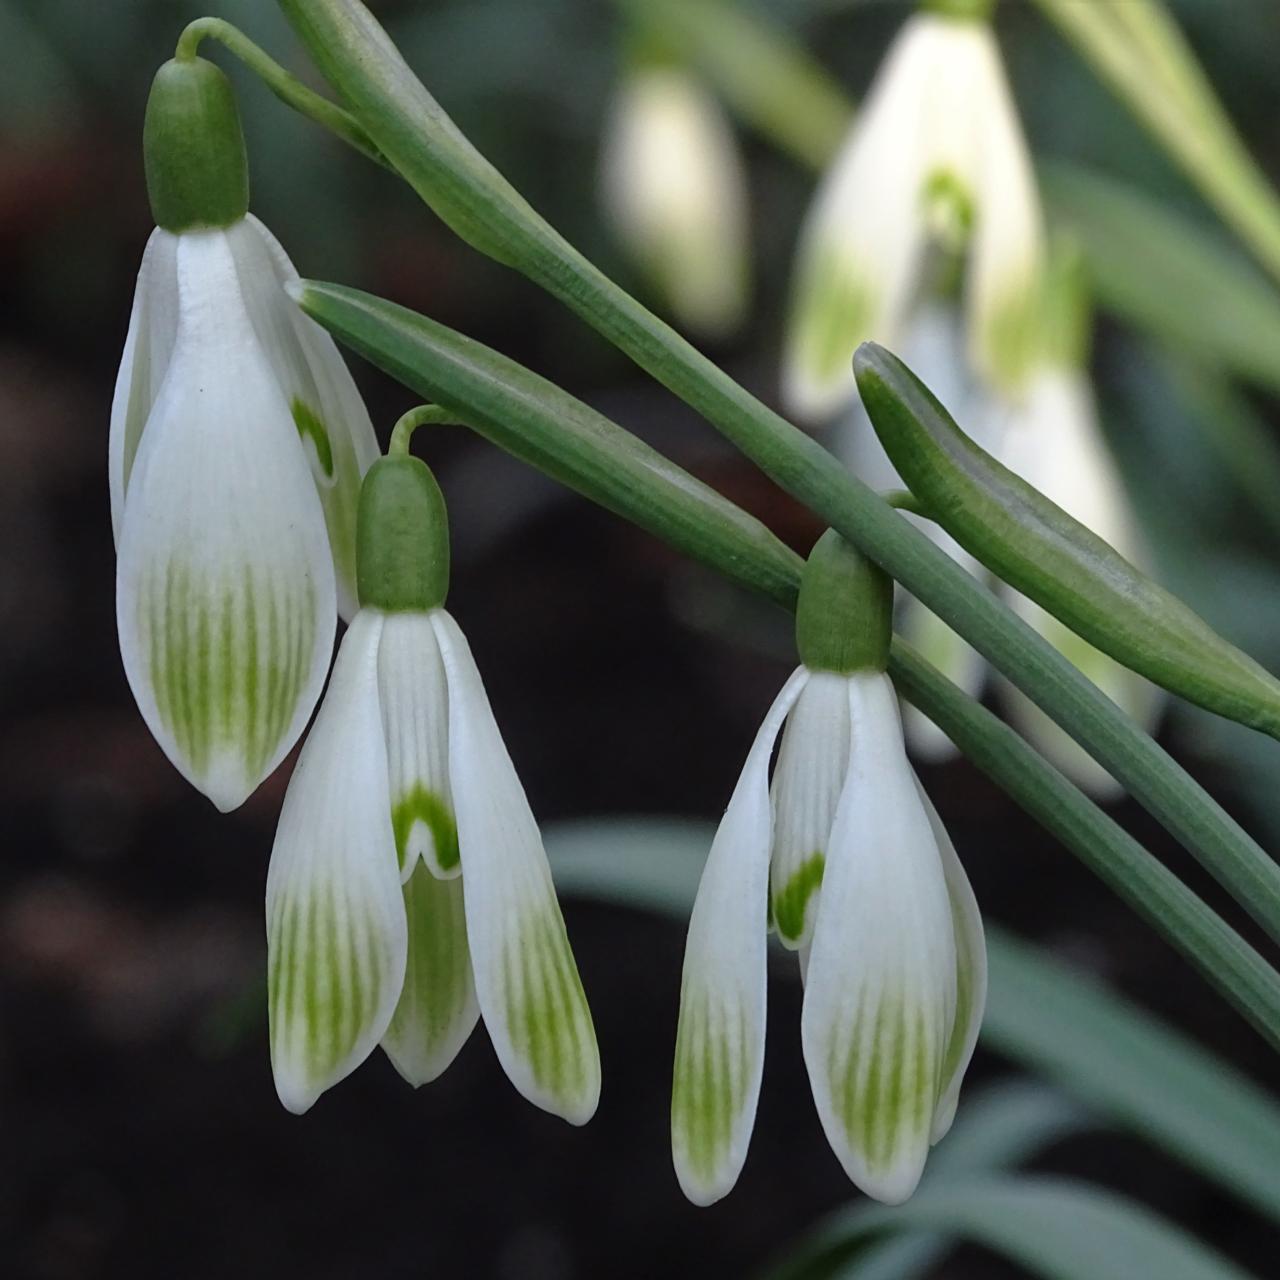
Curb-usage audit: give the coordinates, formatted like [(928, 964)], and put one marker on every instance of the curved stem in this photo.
[(425, 415), (287, 87)]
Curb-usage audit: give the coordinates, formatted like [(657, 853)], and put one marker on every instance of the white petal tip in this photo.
[(296, 1098), (703, 1194)]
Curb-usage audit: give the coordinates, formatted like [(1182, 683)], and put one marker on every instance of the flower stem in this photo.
[(425, 415), (287, 87)]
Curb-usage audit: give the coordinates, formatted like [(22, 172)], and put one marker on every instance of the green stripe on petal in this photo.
[(880, 987), (527, 983), (224, 590), (415, 718), (720, 1038), (437, 1009), (337, 937)]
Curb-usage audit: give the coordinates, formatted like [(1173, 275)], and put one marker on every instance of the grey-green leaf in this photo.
[(1038, 548)]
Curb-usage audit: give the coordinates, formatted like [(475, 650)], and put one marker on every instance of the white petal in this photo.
[(224, 589), (971, 973), (880, 994), (812, 763), (336, 933), (1008, 239), (862, 245), (527, 983), (720, 1040), (328, 413), (675, 188), (437, 1009), (153, 326), (415, 715)]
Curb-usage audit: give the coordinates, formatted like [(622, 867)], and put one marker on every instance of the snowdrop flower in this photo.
[(409, 892), (1056, 444), (237, 445), (674, 187), (846, 856), (935, 159)]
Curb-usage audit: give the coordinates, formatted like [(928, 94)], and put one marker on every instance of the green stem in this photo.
[(543, 425), (288, 88), (433, 155), (425, 415), (1138, 50)]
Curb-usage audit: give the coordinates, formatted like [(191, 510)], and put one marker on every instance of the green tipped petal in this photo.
[(720, 1038), (337, 939), (527, 983), (437, 1009)]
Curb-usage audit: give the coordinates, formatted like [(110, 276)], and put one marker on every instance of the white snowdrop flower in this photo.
[(936, 158), (674, 187), (409, 892), (237, 445), (864, 883)]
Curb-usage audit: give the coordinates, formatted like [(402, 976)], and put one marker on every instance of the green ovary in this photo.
[(419, 804), (883, 1087), (547, 1014), (791, 900), (709, 1087), (227, 660)]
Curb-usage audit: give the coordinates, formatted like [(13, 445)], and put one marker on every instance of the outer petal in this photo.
[(862, 244), (437, 1009), (971, 973), (674, 184), (153, 326), (336, 934), (415, 715), (812, 763), (526, 980), (720, 1040), (880, 994), (1008, 243), (330, 417), (224, 589)]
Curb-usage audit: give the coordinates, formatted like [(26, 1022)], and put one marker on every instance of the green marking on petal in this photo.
[(546, 1007), (221, 685), (791, 900), (884, 1085), (831, 316), (710, 1082), (420, 804), (312, 431)]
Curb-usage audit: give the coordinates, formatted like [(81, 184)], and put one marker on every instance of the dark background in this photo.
[(139, 1130)]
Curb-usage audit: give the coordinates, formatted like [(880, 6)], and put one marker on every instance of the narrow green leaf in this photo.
[(1165, 273), (1055, 1228), (1035, 546)]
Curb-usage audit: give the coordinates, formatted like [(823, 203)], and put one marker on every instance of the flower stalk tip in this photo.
[(844, 615), (402, 562)]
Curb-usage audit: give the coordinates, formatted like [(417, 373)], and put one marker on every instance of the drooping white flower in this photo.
[(674, 187), (236, 449), (866, 885), (409, 892), (1056, 445), (935, 158)]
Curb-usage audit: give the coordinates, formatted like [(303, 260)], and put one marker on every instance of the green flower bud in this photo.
[(402, 538), (197, 171), (844, 617)]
